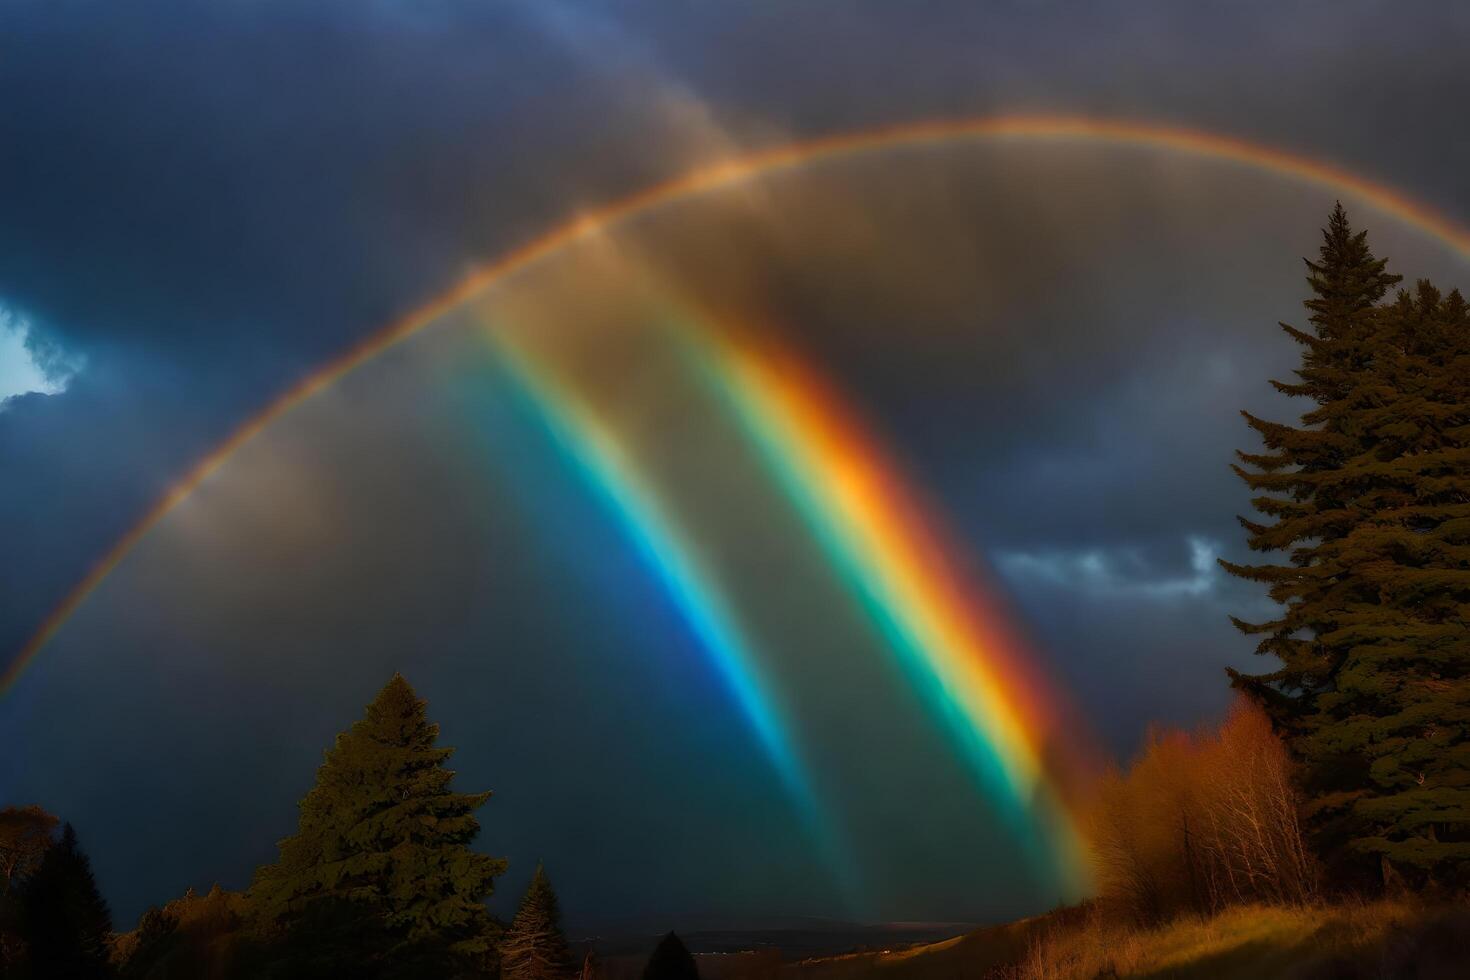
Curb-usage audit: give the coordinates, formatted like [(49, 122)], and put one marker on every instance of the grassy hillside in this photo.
[(1380, 940)]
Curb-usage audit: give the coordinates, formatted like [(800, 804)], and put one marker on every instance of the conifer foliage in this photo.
[(381, 857), (66, 923), (1370, 499), (534, 947)]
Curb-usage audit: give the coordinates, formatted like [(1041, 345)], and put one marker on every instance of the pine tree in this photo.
[(1303, 467), (1368, 498), (67, 926), (670, 961), (534, 947), (1401, 702), (380, 864)]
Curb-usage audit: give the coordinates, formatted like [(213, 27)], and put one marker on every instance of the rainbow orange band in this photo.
[(955, 647)]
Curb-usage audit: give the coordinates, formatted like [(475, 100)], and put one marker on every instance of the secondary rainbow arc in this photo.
[(714, 177)]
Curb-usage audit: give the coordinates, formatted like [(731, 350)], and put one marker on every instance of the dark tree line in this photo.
[(378, 882), (1368, 497)]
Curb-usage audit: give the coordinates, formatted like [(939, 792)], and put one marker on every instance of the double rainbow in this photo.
[(872, 529), (949, 640)]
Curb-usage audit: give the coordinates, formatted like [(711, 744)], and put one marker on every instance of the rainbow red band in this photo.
[(954, 645)]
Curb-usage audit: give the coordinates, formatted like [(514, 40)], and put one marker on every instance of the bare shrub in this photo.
[(1200, 822)]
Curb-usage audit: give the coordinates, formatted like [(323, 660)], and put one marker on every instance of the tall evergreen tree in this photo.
[(534, 947), (66, 923), (1300, 473), (381, 862), (1370, 498), (671, 961), (1401, 702)]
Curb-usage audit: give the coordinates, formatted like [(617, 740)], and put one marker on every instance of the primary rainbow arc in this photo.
[(604, 463), (955, 647)]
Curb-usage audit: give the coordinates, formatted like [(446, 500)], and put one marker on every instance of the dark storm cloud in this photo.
[(1353, 81), (206, 174), (202, 201)]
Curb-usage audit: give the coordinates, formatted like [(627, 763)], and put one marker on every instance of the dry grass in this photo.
[(1353, 941), (1378, 940)]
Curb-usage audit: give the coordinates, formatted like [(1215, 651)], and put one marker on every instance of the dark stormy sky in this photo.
[(201, 202)]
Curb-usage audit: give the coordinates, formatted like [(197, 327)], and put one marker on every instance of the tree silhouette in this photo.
[(670, 961), (66, 923), (1370, 498), (1300, 477), (534, 947), (1396, 724), (380, 866)]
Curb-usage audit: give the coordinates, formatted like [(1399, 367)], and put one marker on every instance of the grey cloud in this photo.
[(1108, 573)]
